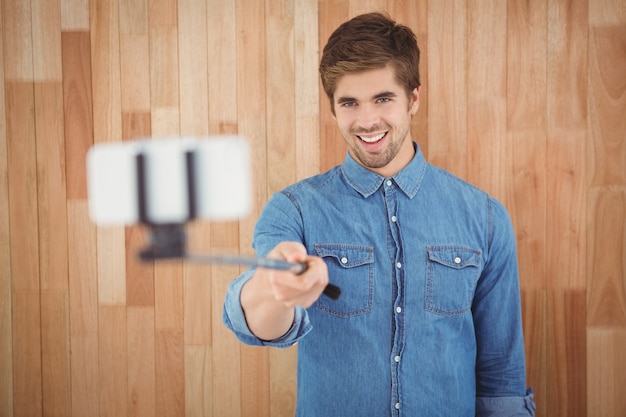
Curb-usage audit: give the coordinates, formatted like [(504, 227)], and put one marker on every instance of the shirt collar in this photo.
[(366, 182)]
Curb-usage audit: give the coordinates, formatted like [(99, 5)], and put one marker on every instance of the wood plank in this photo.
[(192, 62), (55, 353), (163, 68), (255, 381), (281, 100), (27, 379), (51, 191), (168, 295), (606, 370), (46, 36), (77, 110), (162, 12), (526, 158), (6, 323), (607, 65), (17, 40), (113, 361), (111, 265), (85, 383), (83, 281), (607, 259), (567, 130), (83, 305), (198, 381), (133, 17), (228, 375), (141, 361), (222, 80), (170, 373), (198, 318), (135, 64), (74, 15), (486, 114), (306, 88), (567, 355), (22, 180), (283, 381), (447, 130), (105, 59)]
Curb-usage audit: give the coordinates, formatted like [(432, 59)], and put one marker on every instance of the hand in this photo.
[(297, 290)]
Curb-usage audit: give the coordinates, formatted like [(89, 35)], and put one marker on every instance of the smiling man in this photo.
[(429, 321)]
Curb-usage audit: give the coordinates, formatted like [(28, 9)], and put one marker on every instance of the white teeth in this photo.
[(372, 139)]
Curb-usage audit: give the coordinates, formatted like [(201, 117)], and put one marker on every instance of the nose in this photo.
[(367, 116)]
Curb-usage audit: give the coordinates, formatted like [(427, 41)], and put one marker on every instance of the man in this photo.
[(429, 322)]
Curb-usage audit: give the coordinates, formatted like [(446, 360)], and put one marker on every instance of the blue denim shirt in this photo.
[(429, 321)]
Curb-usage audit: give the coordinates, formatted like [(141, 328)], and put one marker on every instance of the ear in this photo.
[(415, 100)]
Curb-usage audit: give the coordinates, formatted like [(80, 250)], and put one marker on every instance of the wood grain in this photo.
[(55, 353), (46, 38), (22, 180), (51, 186), (6, 325), (77, 109), (447, 126), (486, 105)]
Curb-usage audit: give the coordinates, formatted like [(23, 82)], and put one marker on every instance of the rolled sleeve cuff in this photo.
[(506, 406), (235, 319)]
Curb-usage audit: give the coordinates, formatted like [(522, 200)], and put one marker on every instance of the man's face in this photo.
[(374, 113)]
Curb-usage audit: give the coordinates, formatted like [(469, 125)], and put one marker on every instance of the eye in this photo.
[(347, 104), (383, 100)]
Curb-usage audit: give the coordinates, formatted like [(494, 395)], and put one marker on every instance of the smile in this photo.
[(372, 139)]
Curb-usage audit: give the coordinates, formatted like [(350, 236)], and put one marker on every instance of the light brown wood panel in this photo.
[(46, 36), (447, 27), (141, 361), (27, 378), (17, 39), (51, 186), (55, 353), (6, 321), (83, 305), (486, 102), (524, 99), (22, 180), (112, 360), (77, 109)]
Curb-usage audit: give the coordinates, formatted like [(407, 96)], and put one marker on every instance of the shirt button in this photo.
[(398, 310), (388, 183), (397, 358), (397, 406), (344, 260), (457, 260), (399, 265), (394, 219)]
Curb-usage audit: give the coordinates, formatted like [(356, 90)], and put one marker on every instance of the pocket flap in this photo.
[(347, 256), (454, 256)]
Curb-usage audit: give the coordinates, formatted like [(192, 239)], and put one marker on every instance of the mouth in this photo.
[(372, 138)]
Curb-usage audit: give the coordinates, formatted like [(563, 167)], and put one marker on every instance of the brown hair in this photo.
[(370, 41)]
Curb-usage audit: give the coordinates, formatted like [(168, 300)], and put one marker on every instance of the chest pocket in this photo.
[(351, 267), (451, 279)]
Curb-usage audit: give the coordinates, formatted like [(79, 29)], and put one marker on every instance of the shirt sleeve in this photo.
[(506, 406), (235, 319), (277, 223), (500, 360)]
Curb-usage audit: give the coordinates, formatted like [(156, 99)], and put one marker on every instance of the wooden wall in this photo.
[(526, 99)]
